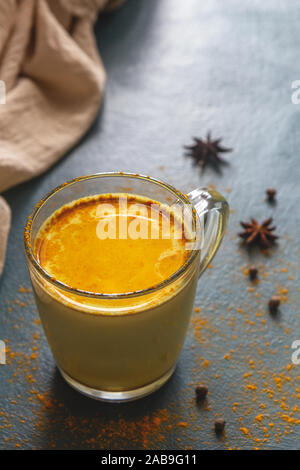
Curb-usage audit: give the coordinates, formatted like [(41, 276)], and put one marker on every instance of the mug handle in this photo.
[(213, 211)]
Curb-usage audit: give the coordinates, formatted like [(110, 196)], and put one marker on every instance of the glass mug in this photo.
[(119, 347)]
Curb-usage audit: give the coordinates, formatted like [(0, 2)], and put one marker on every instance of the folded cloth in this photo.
[(54, 83)]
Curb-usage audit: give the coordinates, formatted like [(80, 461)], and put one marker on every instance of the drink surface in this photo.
[(112, 243)]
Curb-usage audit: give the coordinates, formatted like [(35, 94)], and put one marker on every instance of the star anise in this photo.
[(206, 152), (260, 234)]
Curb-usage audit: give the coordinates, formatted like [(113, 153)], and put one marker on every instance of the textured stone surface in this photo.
[(177, 69)]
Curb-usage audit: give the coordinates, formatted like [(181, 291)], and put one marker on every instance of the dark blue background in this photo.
[(175, 70)]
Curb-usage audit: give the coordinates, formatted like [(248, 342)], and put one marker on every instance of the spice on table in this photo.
[(274, 303), (219, 425), (253, 271), (201, 392), (206, 151), (271, 193), (259, 234)]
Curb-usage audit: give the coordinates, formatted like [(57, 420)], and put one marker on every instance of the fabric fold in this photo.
[(5, 218)]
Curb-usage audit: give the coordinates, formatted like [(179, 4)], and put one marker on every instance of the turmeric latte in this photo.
[(112, 243)]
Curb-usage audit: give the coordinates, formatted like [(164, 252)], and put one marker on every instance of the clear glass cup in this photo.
[(119, 347)]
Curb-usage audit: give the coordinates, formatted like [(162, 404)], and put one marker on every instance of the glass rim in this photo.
[(97, 295)]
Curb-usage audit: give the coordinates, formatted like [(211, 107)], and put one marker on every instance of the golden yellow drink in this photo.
[(97, 245)]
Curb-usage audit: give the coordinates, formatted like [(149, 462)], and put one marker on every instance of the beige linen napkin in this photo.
[(54, 82)]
